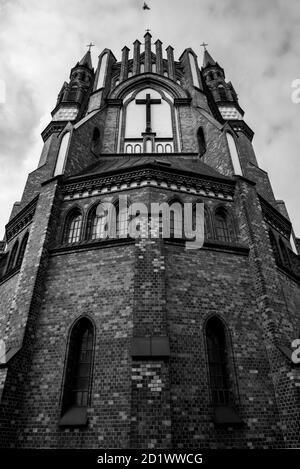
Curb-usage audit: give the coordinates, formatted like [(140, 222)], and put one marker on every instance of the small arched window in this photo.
[(77, 383), (274, 246), (168, 148), (201, 142), (96, 140), (217, 352), (176, 219), (129, 148), (222, 93), (221, 225), (142, 68), (284, 255), (12, 257), (73, 227), (95, 225), (159, 148), (22, 250), (137, 148), (153, 68)]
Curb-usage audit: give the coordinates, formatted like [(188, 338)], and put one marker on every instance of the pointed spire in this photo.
[(159, 57), (207, 59), (148, 64), (86, 60)]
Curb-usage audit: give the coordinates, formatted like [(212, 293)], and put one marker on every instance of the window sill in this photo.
[(74, 417)]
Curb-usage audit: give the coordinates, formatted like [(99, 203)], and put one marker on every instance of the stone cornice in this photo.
[(21, 220), (152, 175)]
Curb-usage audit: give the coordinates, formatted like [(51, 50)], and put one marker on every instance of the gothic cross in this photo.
[(90, 46), (204, 45), (148, 30), (148, 101)]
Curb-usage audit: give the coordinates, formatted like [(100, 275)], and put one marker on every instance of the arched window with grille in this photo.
[(78, 373), (12, 257), (217, 352), (221, 225), (22, 250), (95, 224), (201, 142), (121, 221), (73, 227)]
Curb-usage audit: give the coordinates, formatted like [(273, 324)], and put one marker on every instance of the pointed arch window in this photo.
[(78, 373), (221, 225), (222, 93), (121, 221), (274, 246), (12, 257), (218, 362), (95, 225), (201, 142), (234, 154), (73, 227), (22, 250)]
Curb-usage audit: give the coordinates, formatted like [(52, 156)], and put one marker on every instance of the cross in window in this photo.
[(148, 101)]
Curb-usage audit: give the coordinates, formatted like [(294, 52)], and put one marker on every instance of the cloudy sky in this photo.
[(256, 41)]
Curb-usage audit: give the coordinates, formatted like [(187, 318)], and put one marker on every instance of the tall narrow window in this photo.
[(22, 250), (12, 257), (207, 224), (95, 225), (234, 154), (122, 222), (73, 227), (284, 255), (201, 142), (218, 361), (78, 373), (221, 225), (274, 246), (61, 158), (96, 140), (222, 93)]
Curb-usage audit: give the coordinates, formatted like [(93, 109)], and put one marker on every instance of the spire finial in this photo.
[(148, 30), (90, 46), (203, 45)]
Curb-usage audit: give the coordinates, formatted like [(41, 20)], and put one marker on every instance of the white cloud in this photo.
[(255, 41)]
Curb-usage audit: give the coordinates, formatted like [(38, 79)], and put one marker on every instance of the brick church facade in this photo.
[(123, 342)]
